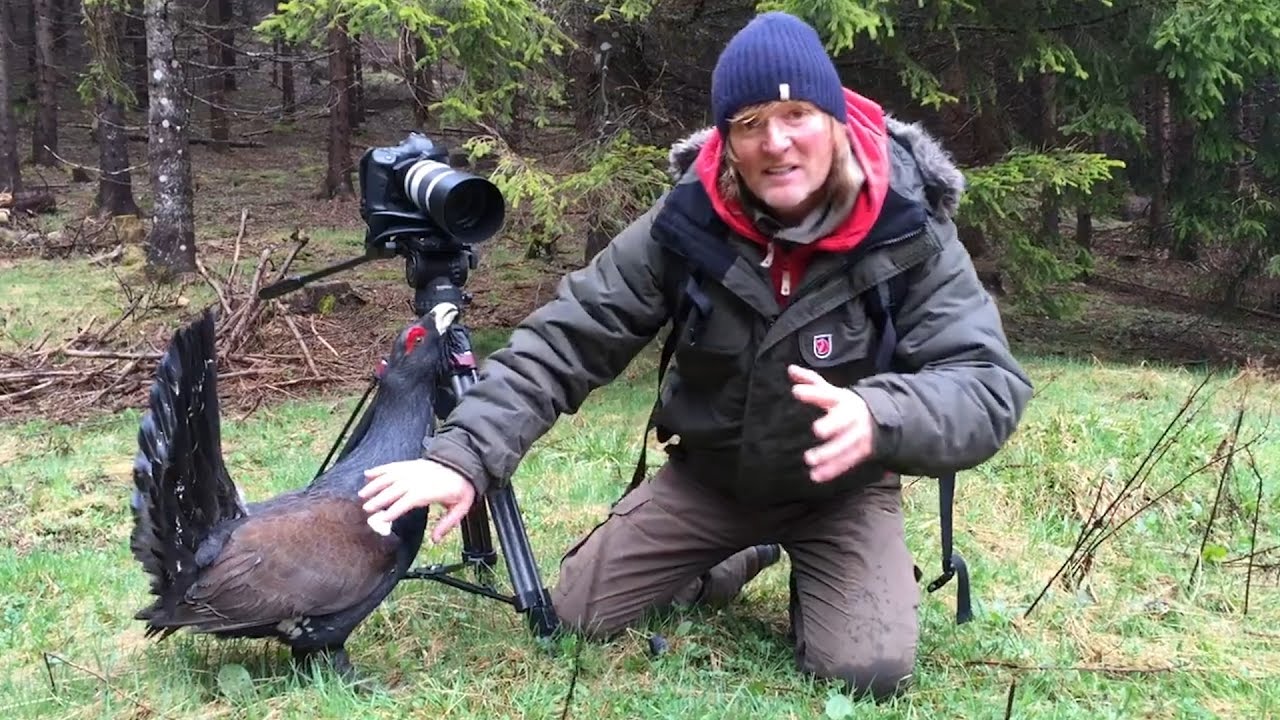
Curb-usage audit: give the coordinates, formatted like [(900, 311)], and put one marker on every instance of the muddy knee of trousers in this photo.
[(877, 678), (585, 619)]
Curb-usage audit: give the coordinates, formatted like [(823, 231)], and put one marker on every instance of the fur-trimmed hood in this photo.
[(921, 167)]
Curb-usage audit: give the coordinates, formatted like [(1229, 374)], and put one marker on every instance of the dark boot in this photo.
[(722, 583)]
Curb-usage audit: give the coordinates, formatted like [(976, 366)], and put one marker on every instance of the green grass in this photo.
[(1137, 639), (59, 297), (55, 296)]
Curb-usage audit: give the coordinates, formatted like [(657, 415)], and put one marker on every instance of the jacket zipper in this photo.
[(772, 256), (767, 263)]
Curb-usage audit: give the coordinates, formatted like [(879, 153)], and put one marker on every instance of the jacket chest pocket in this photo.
[(839, 346), (712, 345)]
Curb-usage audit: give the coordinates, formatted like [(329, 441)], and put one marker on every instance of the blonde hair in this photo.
[(844, 178)]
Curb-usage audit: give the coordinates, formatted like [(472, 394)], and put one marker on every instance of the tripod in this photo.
[(437, 274)]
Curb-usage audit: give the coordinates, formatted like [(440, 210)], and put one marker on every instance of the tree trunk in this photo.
[(337, 180), (44, 131), (227, 42), (64, 14), (23, 23), (1084, 227), (288, 98), (355, 94), (989, 138), (1050, 201), (1238, 175), (216, 82), (955, 118), (1162, 122), (136, 34), (171, 245), (417, 71), (115, 181), (10, 176)]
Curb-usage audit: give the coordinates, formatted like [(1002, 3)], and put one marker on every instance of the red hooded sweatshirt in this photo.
[(868, 139)]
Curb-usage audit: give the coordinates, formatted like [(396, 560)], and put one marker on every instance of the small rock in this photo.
[(658, 646)]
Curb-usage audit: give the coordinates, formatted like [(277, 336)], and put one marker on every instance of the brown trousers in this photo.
[(854, 597)]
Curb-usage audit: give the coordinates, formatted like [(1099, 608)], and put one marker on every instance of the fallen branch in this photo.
[(28, 392), (241, 319), (217, 290), (311, 363), (115, 383), (322, 340), (29, 201), (138, 137), (1190, 302), (113, 254), (133, 306), (1217, 497), (113, 354), (31, 374), (1106, 669), (301, 242), (70, 343), (1253, 534), (102, 678), (235, 255)]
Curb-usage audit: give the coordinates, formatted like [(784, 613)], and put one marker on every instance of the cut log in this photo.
[(29, 201)]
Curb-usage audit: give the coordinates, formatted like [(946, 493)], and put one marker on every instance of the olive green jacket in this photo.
[(954, 399)]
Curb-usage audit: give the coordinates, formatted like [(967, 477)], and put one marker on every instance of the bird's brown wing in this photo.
[(314, 558)]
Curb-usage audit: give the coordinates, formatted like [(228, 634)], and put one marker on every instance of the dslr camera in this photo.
[(410, 195)]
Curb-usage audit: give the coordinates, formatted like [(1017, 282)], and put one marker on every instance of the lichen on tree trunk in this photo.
[(171, 244)]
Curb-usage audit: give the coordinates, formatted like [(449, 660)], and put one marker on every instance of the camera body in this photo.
[(410, 195), (418, 207)]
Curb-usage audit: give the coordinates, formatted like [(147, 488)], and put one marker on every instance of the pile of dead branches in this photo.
[(265, 348)]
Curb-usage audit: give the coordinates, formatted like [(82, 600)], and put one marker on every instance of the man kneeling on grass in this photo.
[(803, 196)]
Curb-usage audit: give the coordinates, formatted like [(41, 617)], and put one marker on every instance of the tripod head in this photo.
[(418, 207)]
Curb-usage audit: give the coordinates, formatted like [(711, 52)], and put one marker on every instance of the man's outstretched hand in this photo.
[(396, 488), (846, 428)]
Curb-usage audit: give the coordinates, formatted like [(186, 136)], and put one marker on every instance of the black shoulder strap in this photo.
[(692, 308), (692, 234), (882, 301)]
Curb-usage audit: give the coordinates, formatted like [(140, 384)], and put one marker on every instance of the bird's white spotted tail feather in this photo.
[(181, 486)]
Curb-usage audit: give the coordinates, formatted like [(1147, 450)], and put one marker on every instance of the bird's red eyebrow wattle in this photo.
[(414, 337)]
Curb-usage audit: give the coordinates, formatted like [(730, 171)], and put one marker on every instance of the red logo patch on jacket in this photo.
[(822, 346)]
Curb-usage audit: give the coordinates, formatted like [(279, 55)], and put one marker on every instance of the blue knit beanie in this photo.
[(775, 57)]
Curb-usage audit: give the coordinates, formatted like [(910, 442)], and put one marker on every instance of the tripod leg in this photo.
[(477, 543), (530, 595)]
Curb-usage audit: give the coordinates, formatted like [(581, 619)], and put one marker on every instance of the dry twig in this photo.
[(306, 351)]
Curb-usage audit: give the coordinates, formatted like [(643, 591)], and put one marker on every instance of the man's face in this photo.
[(783, 156)]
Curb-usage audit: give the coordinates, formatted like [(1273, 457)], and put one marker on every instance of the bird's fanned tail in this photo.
[(182, 488)]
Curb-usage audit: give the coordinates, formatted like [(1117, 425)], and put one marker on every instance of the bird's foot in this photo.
[(337, 660)]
